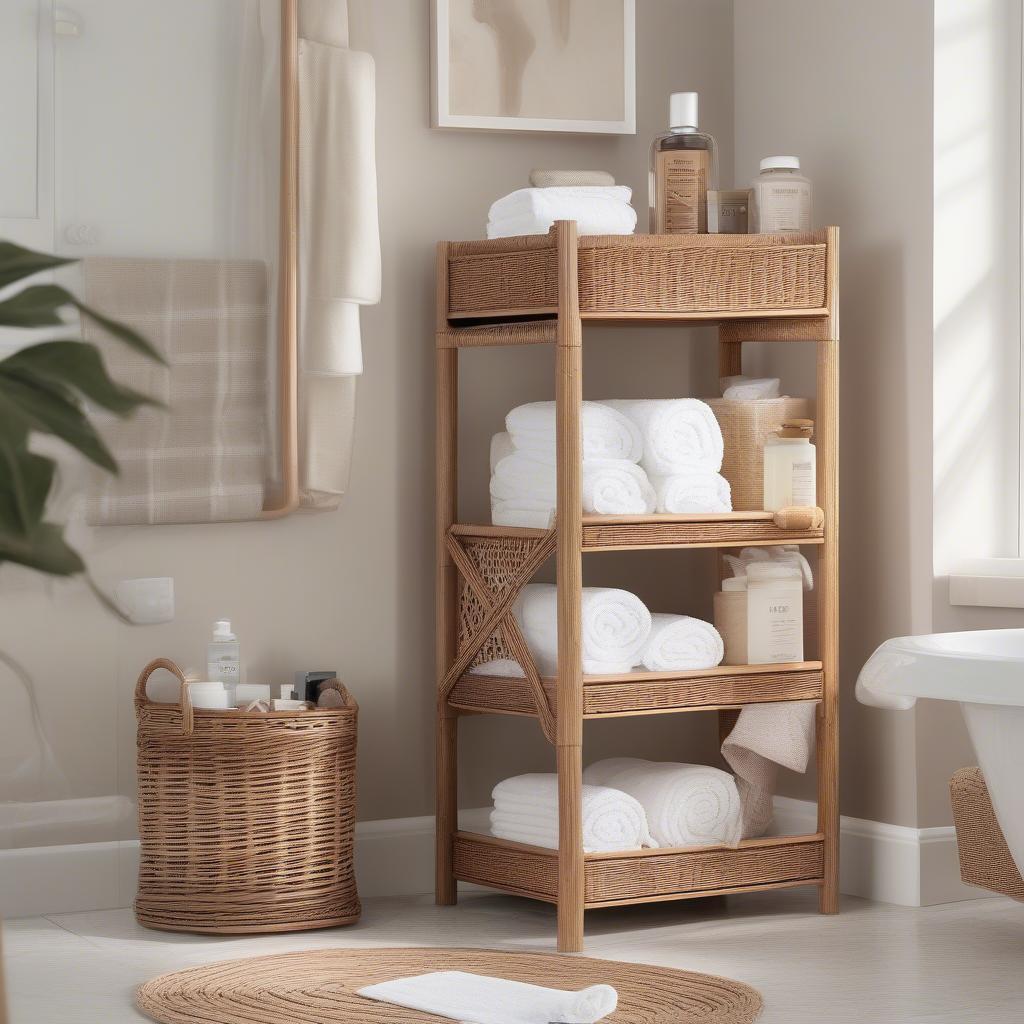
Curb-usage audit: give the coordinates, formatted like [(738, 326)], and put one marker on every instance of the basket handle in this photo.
[(187, 719)]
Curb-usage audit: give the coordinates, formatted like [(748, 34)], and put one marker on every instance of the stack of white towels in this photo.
[(619, 635), (597, 210), (628, 804), (639, 456)]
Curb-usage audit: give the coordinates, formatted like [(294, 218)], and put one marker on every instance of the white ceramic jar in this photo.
[(781, 197)]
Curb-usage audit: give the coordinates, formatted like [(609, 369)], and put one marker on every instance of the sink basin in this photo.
[(983, 671)]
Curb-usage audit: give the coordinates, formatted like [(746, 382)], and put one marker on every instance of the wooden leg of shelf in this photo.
[(827, 583), (445, 889), (570, 849)]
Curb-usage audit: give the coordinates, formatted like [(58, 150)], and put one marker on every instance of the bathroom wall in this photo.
[(848, 88), (353, 590)]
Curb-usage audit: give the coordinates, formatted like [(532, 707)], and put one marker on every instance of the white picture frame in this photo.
[(443, 116)]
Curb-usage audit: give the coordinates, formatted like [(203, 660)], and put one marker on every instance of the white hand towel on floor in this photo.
[(607, 434), (686, 804), (526, 811), (610, 486), (679, 435), (681, 643), (616, 625), (765, 736), (699, 491), (739, 388), (479, 999), (597, 210)]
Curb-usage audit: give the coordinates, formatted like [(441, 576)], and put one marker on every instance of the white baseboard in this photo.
[(395, 857)]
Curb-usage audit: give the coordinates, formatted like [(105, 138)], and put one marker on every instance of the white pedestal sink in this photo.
[(984, 672)]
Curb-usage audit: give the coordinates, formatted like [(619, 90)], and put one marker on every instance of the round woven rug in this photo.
[(320, 985)]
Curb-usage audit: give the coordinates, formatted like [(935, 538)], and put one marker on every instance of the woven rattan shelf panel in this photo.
[(528, 332), (722, 276), (726, 529), (985, 859), (649, 692), (611, 879)]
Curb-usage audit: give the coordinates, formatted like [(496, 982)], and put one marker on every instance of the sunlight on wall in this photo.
[(976, 279)]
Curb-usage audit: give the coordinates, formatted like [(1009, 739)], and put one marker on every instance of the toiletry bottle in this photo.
[(782, 197), (684, 165), (222, 658), (789, 466)]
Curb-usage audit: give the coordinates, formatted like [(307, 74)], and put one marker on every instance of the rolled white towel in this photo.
[(616, 625), (480, 999), (610, 486), (686, 804), (692, 491), (739, 388), (526, 811), (607, 434), (681, 643), (597, 210), (678, 434)]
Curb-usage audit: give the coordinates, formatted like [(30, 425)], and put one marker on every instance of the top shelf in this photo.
[(697, 278)]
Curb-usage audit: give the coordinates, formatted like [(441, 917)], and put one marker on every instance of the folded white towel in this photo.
[(678, 435), (526, 811), (692, 491), (534, 515), (610, 486), (479, 999), (607, 434), (597, 210), (782, 554), (616, 625), (767, 735), (498, 667), (739, 388), (501, 447), (686, 804), (681, 643)]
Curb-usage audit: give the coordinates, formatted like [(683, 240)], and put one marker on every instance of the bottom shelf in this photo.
[(642, 876)]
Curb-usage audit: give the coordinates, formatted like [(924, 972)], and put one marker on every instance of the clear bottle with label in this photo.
[(790, 467), (223, 659), (781, 197), (684, 165)]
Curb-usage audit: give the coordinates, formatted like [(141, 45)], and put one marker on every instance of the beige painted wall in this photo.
[(823, 79), (353, 590)]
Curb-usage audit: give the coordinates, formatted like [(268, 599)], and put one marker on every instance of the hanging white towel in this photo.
[(339, 247), (479, 999), (765, 736)]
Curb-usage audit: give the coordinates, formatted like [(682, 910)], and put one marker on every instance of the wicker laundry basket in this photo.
[(745, 428), (985, 859), (246, 819)]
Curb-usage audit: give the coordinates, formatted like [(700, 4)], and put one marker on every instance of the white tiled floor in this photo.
[(872, 964)]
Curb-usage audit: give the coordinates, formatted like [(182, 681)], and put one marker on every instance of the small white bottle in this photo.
[(222, 658), (781, 197), (790, 476)]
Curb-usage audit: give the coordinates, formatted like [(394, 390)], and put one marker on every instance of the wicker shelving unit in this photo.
[(541, 290)]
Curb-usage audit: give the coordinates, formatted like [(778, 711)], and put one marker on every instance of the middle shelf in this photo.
[(699, 530), (648, 693)]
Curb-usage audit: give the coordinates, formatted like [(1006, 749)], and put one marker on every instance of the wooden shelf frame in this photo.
[(568, 877)]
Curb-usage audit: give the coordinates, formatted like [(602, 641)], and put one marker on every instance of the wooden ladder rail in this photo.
[(569, 568)]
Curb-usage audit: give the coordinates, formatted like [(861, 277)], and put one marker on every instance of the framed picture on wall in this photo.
[(535, 65)]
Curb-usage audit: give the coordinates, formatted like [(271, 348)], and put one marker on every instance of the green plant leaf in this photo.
[(17, 262), (44, 549), (77, 365), (25, 482), (39, 305), (39, 407)]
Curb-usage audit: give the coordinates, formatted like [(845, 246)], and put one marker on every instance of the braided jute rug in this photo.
[(320, 985)]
